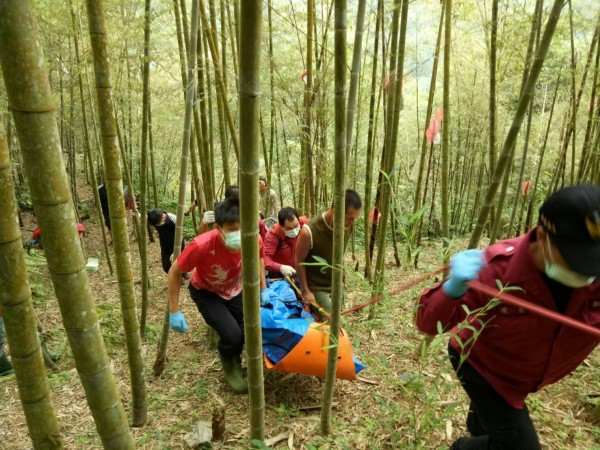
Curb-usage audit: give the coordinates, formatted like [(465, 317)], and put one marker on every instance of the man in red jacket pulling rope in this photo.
[(516, 352)]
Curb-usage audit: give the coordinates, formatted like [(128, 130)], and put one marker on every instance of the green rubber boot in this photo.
[(233, 374), (6, 367)]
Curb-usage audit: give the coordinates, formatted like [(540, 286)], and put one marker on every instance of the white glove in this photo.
[(287, 271), (208, 217)]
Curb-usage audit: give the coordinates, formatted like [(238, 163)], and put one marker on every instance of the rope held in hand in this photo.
[(402, 288), (492, 293), (306, 305), (536, 309)]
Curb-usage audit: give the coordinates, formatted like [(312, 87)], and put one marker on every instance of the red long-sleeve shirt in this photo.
[(280, 249), (517, 352)]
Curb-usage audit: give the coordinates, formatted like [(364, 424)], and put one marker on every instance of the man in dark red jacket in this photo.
[(280, 243), (517, 352)]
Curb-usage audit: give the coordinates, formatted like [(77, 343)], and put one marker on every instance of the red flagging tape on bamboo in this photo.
[(536, 309)]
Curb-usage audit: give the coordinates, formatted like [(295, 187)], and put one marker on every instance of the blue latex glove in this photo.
[(177, 322), (464, 266), (264, 297)]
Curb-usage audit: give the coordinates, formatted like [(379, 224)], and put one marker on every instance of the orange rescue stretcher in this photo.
[(309, 355)]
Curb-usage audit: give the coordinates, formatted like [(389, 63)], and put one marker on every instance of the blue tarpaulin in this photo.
[(284, 322)]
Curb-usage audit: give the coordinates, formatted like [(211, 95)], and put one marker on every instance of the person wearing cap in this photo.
[(280, 243), (516, 352), (268, 204), (164, 224)]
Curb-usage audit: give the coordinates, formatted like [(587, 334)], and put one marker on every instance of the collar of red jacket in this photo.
[(278, 229), (521, 272)]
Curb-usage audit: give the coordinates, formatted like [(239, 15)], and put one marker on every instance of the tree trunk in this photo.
[(583, 163), (337, 290), (354, 73), (88, 150), (190, 92), (445, 129), (219, 78), (19, 317), (143, 244), (522, 107), (152, 164), (112, 168), (205, 127), (424, 147), (375, 81), (398, 43), (250, 95), (492, 100), (540, 162), (28, 89)]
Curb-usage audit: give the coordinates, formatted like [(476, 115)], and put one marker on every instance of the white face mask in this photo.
[(293, 233), (233, 240), (564, 275)]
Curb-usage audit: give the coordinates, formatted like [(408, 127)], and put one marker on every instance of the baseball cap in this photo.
[(571, 216)]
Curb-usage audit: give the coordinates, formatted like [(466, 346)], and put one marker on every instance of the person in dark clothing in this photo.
[(104, 205), (164, 223), (316, 239), (508, 352)]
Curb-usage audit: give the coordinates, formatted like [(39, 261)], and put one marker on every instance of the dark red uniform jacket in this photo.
[(517, 352), (280, 249)]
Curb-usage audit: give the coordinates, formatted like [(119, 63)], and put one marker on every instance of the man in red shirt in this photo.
[(216, 287), (280, 243), (517, 352)]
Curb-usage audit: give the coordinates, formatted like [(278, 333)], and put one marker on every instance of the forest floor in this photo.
[(402, 400)]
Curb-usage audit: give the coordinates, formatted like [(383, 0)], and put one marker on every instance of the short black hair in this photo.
[(287, 213), (263, 179), (228, 211), (231, 191), (352, 200), (155, 216)]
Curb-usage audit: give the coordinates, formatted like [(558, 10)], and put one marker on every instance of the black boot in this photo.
[(6, 367), (232, 369)]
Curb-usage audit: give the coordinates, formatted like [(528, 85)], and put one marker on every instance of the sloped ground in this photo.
[(402, 400)]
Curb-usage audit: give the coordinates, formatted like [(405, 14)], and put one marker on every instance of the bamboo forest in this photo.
[(299, 224)]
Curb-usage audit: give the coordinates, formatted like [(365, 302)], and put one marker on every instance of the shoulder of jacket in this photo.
[(502, 249)]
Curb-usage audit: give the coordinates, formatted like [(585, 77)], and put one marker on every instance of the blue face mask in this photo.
[(563, 275), (233, 240)]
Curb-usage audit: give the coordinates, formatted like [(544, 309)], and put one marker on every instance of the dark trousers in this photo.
[(165, 258), (492, 423), (225, 316)]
